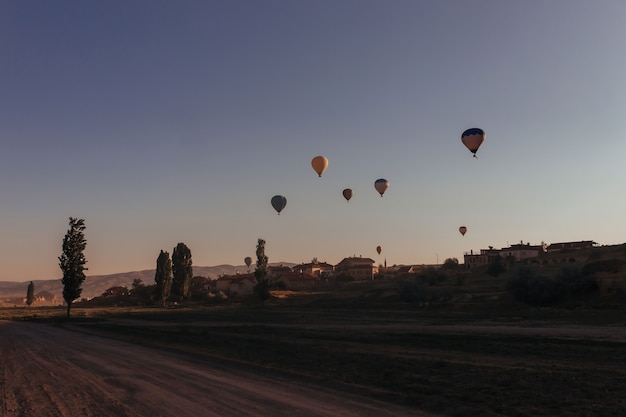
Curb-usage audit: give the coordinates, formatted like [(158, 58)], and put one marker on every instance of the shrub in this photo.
[(574, 281), (496, 267), (532, 287), (412, 290), (432, 276), (609, 265), (529, 285)]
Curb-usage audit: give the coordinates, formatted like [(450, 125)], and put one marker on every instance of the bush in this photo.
[(412, 290), (530, 286), (496, 267), (574, 281), (432, 276), (609, 265), (451, 264)]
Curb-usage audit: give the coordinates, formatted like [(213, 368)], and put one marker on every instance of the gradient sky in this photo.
[(161, 122)]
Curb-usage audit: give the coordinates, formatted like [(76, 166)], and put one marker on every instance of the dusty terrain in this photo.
[(49, 371)]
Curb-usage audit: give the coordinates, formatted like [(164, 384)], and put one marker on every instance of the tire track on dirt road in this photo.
[(53, 372)]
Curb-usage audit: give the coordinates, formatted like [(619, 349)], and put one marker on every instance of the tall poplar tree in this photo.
[(262, 287), (182, 271), (30, 294), (72, 261), (163, 276)]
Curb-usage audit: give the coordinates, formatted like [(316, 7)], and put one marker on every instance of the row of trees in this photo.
[(173, 276)]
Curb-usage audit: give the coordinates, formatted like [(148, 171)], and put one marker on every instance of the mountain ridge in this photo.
[(95, 285)]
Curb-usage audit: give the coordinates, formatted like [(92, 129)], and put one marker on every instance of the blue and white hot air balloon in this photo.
[(381, 185), (472, 139)]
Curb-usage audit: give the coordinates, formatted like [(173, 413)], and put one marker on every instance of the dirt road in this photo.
[(47, 371)]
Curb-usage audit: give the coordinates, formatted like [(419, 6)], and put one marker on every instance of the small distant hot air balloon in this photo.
[(248, 261), (279, 202), (463, 229), (472, 139), (347, 194), (381, 185), (319, 164), (379, 249)]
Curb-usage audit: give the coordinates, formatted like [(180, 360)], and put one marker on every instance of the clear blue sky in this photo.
[(161, 122)]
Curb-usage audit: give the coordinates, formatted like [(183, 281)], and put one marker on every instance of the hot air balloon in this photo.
[(463, 229), (347, 194), (279, 202), (319, 164), (248, 261), (472, 139), (379, 249), (381, 185)]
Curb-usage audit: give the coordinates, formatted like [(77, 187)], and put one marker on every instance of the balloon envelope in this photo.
[(347, 194), (463, 229), (379, 249), (248, 261), (472, 139), (381, 185), (279, 202), (319, 164)]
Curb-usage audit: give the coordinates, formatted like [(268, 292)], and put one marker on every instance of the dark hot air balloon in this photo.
[(463, 230), (347, 194), (379, 249), (248, 261), (279, 202)]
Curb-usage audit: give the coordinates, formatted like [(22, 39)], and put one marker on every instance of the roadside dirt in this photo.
[(47, 371)]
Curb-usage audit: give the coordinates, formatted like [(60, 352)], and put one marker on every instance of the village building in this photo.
[(482, 259), (361, 269), (236, 285), (522, 252), (273, 272), (319, 269), (298, 281), (558, 247)]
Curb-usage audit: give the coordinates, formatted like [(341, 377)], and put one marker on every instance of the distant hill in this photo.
[(95, 285)]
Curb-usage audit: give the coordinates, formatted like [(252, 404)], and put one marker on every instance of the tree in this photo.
[(163, 276), (262, 287), (72, 261), (30, 294), (450, 264), (182, 271)]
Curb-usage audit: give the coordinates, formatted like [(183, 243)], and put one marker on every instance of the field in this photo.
[(481, 355)]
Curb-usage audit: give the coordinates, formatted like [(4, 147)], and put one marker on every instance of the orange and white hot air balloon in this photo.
[(472, 139), (463, 230), (319, 164)]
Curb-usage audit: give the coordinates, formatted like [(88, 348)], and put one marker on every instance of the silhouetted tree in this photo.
[(182, 271), (450, 264), (198, 287), (262, 287), (30, 294), (495, 267), (72, 261), (163, 276)]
